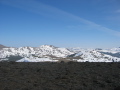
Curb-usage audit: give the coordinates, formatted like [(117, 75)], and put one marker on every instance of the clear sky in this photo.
[(62, 23)]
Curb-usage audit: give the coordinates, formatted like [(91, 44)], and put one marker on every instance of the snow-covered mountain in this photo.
[(44, 50), (52, 53), (115, 52), (93, 55), (112, 50)]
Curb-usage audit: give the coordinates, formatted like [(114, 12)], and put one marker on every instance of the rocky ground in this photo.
[(59, 76)]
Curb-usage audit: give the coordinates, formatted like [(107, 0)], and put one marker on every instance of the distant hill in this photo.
[(2, 46)]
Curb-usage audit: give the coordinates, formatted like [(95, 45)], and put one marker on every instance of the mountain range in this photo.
[(50, 53)]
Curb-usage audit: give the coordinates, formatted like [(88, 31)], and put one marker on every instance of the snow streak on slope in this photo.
[(36, 60)]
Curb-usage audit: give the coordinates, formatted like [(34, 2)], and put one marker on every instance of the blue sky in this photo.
[(63, 23)]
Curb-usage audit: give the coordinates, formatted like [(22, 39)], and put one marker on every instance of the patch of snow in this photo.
[(36, 60)]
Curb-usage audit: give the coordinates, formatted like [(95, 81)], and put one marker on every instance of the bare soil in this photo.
[(59, 76)]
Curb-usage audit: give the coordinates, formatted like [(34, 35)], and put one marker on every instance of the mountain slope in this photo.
[(2, 46)]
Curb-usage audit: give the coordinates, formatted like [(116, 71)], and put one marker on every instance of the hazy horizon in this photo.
[(62, 23)]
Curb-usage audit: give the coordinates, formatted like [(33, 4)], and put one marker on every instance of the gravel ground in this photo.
[(59, 76)]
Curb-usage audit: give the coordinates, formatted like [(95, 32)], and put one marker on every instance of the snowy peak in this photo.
[(52, 50)]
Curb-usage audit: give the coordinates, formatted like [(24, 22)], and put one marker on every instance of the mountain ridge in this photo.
[(69, 54)]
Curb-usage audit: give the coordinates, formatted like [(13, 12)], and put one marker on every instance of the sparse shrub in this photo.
[(62, 62), (70, 62)]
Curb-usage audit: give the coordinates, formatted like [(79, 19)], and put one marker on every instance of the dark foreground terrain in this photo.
[(59, 76)]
